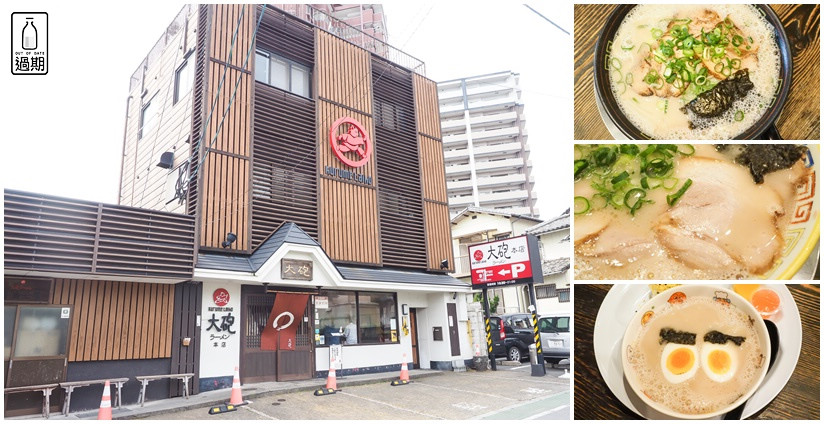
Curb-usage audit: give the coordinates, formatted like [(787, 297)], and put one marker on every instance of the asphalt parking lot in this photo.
[(510, 393)]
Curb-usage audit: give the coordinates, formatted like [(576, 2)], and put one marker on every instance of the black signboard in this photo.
[(27, 290)]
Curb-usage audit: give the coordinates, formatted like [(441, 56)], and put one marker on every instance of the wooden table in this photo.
[(594, 401), (801, 117)]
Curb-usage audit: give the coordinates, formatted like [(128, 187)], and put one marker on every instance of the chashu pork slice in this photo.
[(723, 210)]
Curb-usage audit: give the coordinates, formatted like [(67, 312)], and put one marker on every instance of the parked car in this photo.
[(554, 337), (517, 331)]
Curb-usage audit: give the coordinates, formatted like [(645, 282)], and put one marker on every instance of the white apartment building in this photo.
[(485, 144)]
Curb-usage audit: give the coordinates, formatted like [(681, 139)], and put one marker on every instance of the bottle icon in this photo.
[(29, 35)]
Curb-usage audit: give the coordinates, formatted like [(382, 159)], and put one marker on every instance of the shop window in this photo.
[(341, 311), (357, 318), (563, 295), (183, 79), (41, 332), (377, 317), (283, 73)]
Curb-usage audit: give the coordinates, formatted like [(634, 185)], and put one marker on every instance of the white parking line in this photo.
[(520, 368), (392, 406), (260, 413), (418, 383), (536, 416)]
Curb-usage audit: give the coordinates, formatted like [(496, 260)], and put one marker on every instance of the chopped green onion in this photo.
[(580, 166), (604, 156), (634, 199), (735, 63), (615, 63), (581, 205), (739, 116), (669, 183), (737, 40), (673, 198), (700, 80), (689, 150), (644, 183), (656, 33), (620, 177), (662, 105), (657, 168), (629, 149)]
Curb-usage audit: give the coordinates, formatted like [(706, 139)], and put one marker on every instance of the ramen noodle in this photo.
[(665, 211), (694, 71), (697, 355)]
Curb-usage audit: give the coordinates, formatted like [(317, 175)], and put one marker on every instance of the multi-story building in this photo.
[(485, 144), (274, 176)]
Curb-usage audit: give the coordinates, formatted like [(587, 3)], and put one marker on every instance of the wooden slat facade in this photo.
[(49, 233), (115, 320), (402, 230), (226, 172), (349, 218), (433, 177)]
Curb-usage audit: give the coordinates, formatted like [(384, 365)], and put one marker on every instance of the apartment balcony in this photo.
[(449, 155), (462, 266), (450, 93), (448, 125), (451, 108), (454, 171), (490, 183), (461, 201), (504, 117), (503, 197), (455, 140), (459, 185), (505, 164), (501, 133), (496, 149)]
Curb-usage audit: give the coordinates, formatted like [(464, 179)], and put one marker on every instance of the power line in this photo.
[(547, 19)]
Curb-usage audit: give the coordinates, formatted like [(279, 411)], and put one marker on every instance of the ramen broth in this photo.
[(724, 226), (698, 394), (640, 57)]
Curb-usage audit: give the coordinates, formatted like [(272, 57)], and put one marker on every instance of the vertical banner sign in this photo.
[(286, 316)]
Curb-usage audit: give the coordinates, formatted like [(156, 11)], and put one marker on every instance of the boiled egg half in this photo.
[(679, 362), (719, 361)]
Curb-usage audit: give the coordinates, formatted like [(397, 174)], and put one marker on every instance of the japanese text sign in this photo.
[(293, 269), (505, 262)]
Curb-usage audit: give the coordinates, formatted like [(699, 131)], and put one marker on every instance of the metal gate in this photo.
[(258, 365)]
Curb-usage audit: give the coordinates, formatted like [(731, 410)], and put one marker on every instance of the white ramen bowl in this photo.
[(657, 303)]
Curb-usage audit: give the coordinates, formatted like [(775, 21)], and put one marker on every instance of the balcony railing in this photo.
[(57, 234), (353, 35)]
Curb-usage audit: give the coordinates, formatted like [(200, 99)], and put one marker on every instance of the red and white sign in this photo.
[(220, 297), (500, 262), (350, 143)]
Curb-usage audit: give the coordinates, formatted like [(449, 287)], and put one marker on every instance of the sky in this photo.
[(63, 132)]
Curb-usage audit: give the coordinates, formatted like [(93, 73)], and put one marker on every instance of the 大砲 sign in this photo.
[(503, 262)]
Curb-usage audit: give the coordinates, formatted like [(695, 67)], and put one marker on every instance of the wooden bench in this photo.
[(145, 379), (45, 388), (69, 387)]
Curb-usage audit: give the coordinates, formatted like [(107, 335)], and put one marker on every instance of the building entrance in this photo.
[(256, 364)]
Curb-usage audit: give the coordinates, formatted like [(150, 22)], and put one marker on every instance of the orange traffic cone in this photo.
[(331, 381), (236, 398), (404, 378), (105, 412)]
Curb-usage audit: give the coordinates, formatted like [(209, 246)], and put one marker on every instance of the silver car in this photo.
[(555, 336)]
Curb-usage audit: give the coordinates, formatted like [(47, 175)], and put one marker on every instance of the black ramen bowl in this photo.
[(615, 119)]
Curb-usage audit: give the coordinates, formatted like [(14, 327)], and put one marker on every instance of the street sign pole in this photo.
[(539, 369), (488, 332)]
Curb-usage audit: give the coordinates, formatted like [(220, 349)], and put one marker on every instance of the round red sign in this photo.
[(352, 146), (221, 297), (478, 255)]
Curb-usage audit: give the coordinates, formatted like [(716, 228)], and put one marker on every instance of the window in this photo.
[(563, 295), (148, 119), (358, 318), (283, 73), (546, 291), (183, 80), (554, 325)]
